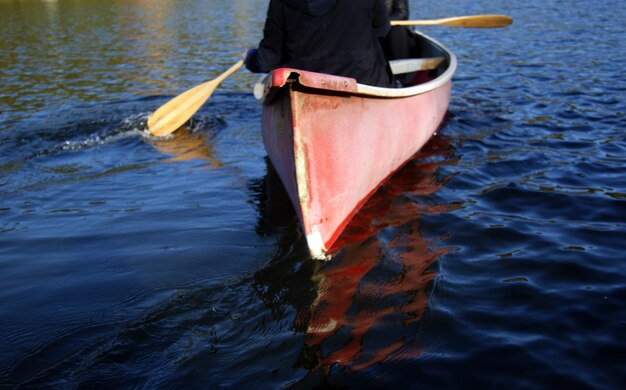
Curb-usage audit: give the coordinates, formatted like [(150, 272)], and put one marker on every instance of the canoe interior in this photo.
[(426, 48)]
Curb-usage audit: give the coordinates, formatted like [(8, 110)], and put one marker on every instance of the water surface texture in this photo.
[(494, 259)]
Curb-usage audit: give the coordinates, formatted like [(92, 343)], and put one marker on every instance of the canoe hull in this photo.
[(334, 142), (333, 151)]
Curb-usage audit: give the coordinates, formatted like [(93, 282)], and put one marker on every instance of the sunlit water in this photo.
[(495, 258)]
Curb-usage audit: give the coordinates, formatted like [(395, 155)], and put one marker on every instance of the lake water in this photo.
[(494, 259)]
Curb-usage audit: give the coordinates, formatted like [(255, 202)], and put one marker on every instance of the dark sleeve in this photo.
[(270, 48), (381, 19), (400, 10), (252, 61)]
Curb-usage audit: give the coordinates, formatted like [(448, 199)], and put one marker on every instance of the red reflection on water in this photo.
[(372, 284), (386, 207)]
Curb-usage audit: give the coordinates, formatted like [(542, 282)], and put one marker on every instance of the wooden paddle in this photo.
[(475, 21), (173, 114)]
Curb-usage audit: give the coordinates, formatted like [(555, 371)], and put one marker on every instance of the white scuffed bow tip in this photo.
[(316, 245)]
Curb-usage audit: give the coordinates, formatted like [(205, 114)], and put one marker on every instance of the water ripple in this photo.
[(151, 262)]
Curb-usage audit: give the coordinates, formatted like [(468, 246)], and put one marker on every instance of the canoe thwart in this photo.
[(414, 64)]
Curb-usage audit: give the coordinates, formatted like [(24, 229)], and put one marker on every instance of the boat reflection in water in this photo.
[(358, 309)]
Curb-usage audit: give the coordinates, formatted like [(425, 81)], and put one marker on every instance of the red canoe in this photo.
[(334, 142)]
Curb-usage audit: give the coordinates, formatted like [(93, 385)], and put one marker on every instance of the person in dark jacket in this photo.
[(400, 41), (398, 9), (339, 37)]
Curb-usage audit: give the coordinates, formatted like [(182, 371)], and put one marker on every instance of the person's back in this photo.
[(339, 37)]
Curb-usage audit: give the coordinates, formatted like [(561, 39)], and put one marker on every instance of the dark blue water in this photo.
[(494, 259)]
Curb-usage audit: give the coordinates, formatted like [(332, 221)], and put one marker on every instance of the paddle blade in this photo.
[(173, 114), (472, 21)]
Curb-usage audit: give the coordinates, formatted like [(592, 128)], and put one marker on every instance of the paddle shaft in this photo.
[(472, 21)]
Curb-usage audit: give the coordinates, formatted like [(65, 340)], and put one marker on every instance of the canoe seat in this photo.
[(414, 64)]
